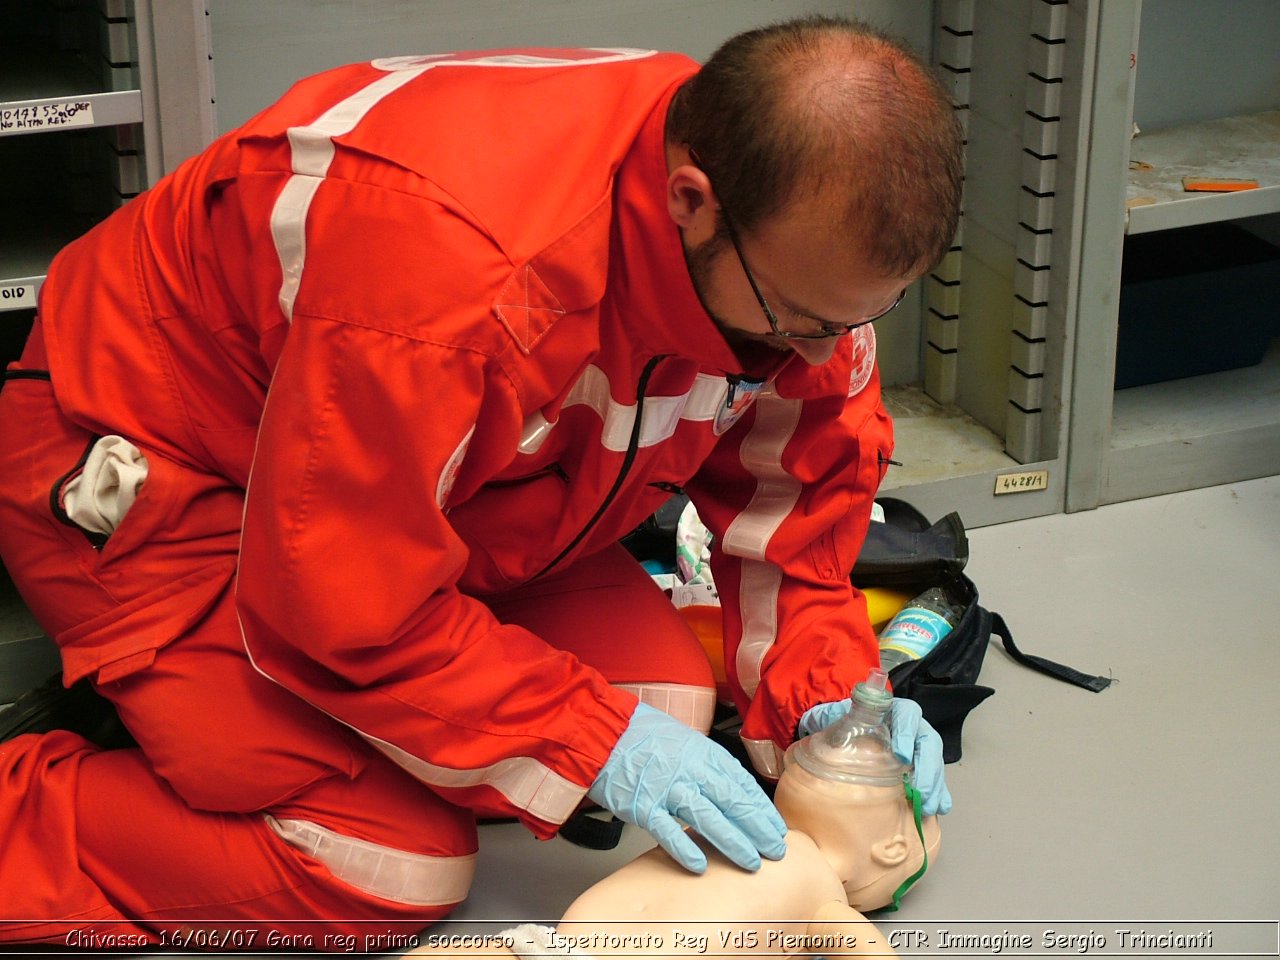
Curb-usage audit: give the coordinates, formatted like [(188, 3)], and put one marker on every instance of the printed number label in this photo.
[(46, 115), (14, 296), (1024, 482)]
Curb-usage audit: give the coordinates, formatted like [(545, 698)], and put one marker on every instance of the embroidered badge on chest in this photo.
[(864, 358), (738, 396)]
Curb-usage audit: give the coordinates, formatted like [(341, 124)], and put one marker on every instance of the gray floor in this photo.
[(1150, 806)]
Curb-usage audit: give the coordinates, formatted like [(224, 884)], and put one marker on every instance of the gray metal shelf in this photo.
[(1244, 147), (51, 114), (47, 91)]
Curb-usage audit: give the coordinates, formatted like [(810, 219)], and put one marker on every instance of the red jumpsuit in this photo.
[(405, 355)]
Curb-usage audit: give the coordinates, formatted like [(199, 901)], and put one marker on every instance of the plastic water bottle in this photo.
[(918, 628)]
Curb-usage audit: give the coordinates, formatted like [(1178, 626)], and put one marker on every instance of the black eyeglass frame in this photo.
[(827, 331)]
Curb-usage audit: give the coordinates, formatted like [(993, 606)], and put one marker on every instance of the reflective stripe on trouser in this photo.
[(100, 852), (397, 875)]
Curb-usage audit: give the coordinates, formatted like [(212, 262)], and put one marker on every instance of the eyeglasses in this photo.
[(827, 330)]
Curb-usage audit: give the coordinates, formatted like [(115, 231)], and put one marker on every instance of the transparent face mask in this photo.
[(857, 749)]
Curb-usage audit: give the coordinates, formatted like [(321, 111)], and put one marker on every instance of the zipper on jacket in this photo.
[(628, 459), (733, 379)]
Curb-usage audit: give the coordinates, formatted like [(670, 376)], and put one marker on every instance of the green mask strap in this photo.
[(913, 797)]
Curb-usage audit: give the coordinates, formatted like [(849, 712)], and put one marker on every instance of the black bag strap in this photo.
[(1058, 670)]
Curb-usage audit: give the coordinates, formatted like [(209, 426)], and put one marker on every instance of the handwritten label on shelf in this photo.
[(45, 115), (1024, 482), (17, 296)]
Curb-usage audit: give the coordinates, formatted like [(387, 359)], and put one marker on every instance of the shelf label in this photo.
[(17, 296), (46, 115), (1024, 482)]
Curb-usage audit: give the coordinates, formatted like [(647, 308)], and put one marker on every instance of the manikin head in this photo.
[(867, 833), (846, 789)]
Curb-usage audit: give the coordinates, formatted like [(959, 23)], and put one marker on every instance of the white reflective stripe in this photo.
[(695, 707), (765, 757), (413, 878), (758, 589), (611, 55), (312, 145), (450, 472), (536, 429), (706, 397), (289, 231), (749, 534), (662, 415), (776, 490), (527, 783), (311, 153)]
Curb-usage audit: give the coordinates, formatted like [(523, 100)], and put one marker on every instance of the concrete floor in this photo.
[(1150, 806)]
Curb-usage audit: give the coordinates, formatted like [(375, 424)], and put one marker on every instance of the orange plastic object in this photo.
[(1217, 184), (704, 621)]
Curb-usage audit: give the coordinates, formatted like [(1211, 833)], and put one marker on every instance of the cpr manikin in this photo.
[(852, 844)]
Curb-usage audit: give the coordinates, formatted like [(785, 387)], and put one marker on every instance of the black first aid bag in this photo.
[(909, 554)]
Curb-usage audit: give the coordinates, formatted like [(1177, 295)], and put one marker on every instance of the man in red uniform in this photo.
[(317, 459)]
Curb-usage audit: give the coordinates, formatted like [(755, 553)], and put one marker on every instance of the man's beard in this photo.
[(700, 261)]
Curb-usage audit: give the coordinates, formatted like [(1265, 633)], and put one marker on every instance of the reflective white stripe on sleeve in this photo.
[(312, 145), (413, 878), (749, 534), (765, 757), (312, 152), (695, 707), (527, 783), (776, 490), (662, 415), (758, 588)]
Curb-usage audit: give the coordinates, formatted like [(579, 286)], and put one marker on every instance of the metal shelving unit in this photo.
[(71, 112), (72, 149), (1199, 430)]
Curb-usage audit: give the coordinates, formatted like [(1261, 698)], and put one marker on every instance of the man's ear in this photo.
[(891, 852), (690, 200)]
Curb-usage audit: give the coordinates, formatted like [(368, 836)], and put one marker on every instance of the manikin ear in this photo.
[(891, 852), (690, 200)]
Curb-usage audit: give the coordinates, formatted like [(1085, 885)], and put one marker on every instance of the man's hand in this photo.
[(914, 741), (661, 770)]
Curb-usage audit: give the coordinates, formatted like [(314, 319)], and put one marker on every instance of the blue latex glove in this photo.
[(914, 741), (661, 770)]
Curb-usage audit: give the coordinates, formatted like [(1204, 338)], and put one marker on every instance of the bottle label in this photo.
[(914, 632)]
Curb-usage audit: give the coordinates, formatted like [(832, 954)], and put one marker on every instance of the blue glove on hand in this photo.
[(914, 741), (661, 770)]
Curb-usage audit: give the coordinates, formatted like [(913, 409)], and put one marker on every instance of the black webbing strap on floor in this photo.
[(1069, 674)]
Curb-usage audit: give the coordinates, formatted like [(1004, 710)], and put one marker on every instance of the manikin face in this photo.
[(808, 284), (866, 833)]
